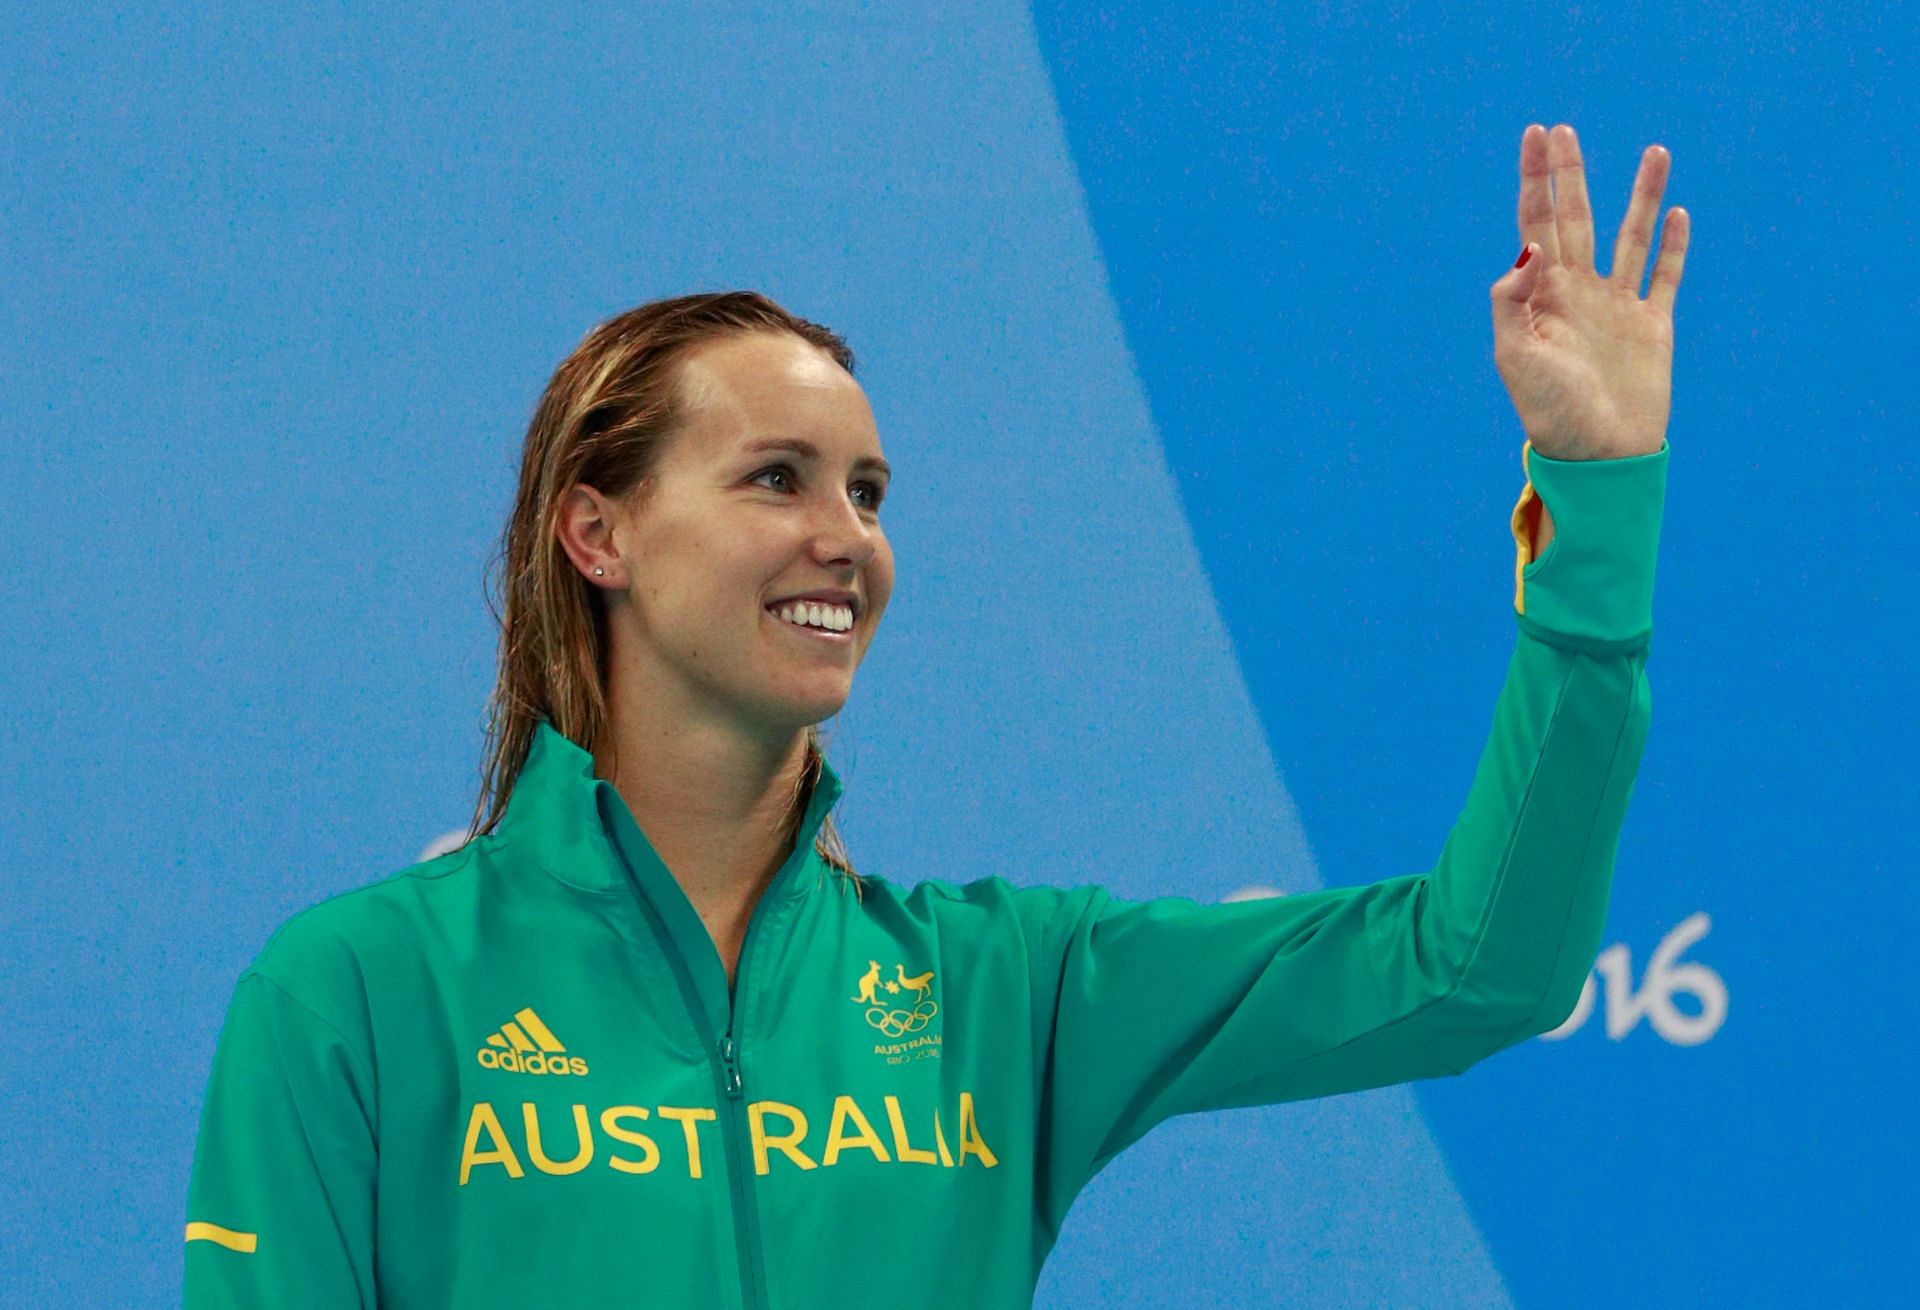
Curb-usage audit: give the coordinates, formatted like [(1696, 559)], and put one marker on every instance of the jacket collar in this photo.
[(579, 829)]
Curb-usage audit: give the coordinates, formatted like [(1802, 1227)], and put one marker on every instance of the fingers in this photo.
[(1512, 316), (1536, 200), (1572, 218), (1636, 230), (1673, 256)]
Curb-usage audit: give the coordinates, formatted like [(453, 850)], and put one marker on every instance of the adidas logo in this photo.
[(526, 1045)]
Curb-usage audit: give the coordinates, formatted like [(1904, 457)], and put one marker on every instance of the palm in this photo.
[(1587, 361)]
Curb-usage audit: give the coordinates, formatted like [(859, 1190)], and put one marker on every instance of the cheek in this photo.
[(883, 576), (710, 553), (700, 578)]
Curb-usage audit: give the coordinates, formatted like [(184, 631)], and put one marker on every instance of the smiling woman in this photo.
[(648, 520), (647, 1013)]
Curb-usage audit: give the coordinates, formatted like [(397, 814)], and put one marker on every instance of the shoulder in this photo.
[(1042, 913), (323, 955)]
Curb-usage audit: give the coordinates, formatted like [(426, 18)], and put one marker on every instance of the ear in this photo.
[(584, 526)]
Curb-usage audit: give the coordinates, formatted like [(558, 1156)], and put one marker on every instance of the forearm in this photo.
[(1549, 798)]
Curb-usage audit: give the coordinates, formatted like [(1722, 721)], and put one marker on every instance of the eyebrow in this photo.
[(811, 451)]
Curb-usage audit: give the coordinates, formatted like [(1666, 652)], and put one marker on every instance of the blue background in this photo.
[(1176, 327)]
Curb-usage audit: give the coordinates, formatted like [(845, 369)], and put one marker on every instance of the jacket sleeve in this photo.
[(1166, 1006), (280, 1206)]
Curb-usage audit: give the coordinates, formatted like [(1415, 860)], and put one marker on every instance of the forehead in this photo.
[(759, 383)]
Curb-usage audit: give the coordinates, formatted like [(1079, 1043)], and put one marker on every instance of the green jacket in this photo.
[(514, 1075)]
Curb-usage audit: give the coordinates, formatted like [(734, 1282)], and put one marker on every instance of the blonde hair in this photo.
[(601, 421)]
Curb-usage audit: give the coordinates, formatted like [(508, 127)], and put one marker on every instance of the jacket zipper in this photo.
[(731, 1113), (746, 1215), (746, 1220), (727, 1087), (752, 1289), (732, 1088)]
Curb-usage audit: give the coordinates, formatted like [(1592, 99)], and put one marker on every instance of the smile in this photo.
[(807, 632)]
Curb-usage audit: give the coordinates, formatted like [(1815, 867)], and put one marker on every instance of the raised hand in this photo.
[(1587, 360)]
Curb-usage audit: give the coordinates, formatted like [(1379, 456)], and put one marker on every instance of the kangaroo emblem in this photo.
[(867, 980)]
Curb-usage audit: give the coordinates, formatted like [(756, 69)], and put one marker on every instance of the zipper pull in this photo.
[(728, 1057)]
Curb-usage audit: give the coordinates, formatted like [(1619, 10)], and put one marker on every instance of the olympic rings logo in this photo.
[(898, 1023)]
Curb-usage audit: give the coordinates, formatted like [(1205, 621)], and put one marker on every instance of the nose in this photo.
[(842, 535)]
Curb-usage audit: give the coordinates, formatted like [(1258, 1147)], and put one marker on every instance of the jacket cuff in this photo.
[(1592, 588)]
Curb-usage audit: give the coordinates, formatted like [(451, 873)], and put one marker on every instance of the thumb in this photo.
[(1511, 316)]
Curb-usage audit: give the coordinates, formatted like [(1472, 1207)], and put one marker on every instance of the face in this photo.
[(770, 488)]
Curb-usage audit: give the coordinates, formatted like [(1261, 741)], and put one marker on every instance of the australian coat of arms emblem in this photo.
[(887, 1000)]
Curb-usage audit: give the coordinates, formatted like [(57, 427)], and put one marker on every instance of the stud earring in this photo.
[(599, 572)]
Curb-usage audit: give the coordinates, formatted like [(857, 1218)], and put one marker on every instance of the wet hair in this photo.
[(602, 421)]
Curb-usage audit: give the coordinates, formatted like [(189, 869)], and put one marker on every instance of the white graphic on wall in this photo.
[(1664, 980), (446, 841)]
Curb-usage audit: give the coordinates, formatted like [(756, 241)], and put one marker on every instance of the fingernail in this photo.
[(1526, 253)]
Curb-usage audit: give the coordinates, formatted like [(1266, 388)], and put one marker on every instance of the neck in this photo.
[(716, 802)]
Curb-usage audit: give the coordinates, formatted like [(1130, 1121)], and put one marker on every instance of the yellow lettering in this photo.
[(940, 1140), (901, 1148), (970, 1139), (844, 1109), (609, 1125), (687, 1117), (580, 1161), (849, 1129), (484, 1117), (789, 1144)]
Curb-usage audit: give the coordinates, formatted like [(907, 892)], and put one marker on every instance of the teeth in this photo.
[(833, 618)]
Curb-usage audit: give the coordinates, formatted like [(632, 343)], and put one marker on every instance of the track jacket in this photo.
[(515, 1075)]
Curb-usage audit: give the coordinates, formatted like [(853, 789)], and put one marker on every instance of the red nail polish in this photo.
[(1526, 252)]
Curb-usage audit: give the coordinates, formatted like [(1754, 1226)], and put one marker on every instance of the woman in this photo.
[(647, 1038)]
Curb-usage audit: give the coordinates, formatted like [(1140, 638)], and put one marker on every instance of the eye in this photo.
[(875, 492)]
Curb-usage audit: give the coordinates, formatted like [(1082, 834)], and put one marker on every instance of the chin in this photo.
[(821, 711), (803, 711)]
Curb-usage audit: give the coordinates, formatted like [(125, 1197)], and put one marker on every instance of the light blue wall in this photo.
[(1159, 314)]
